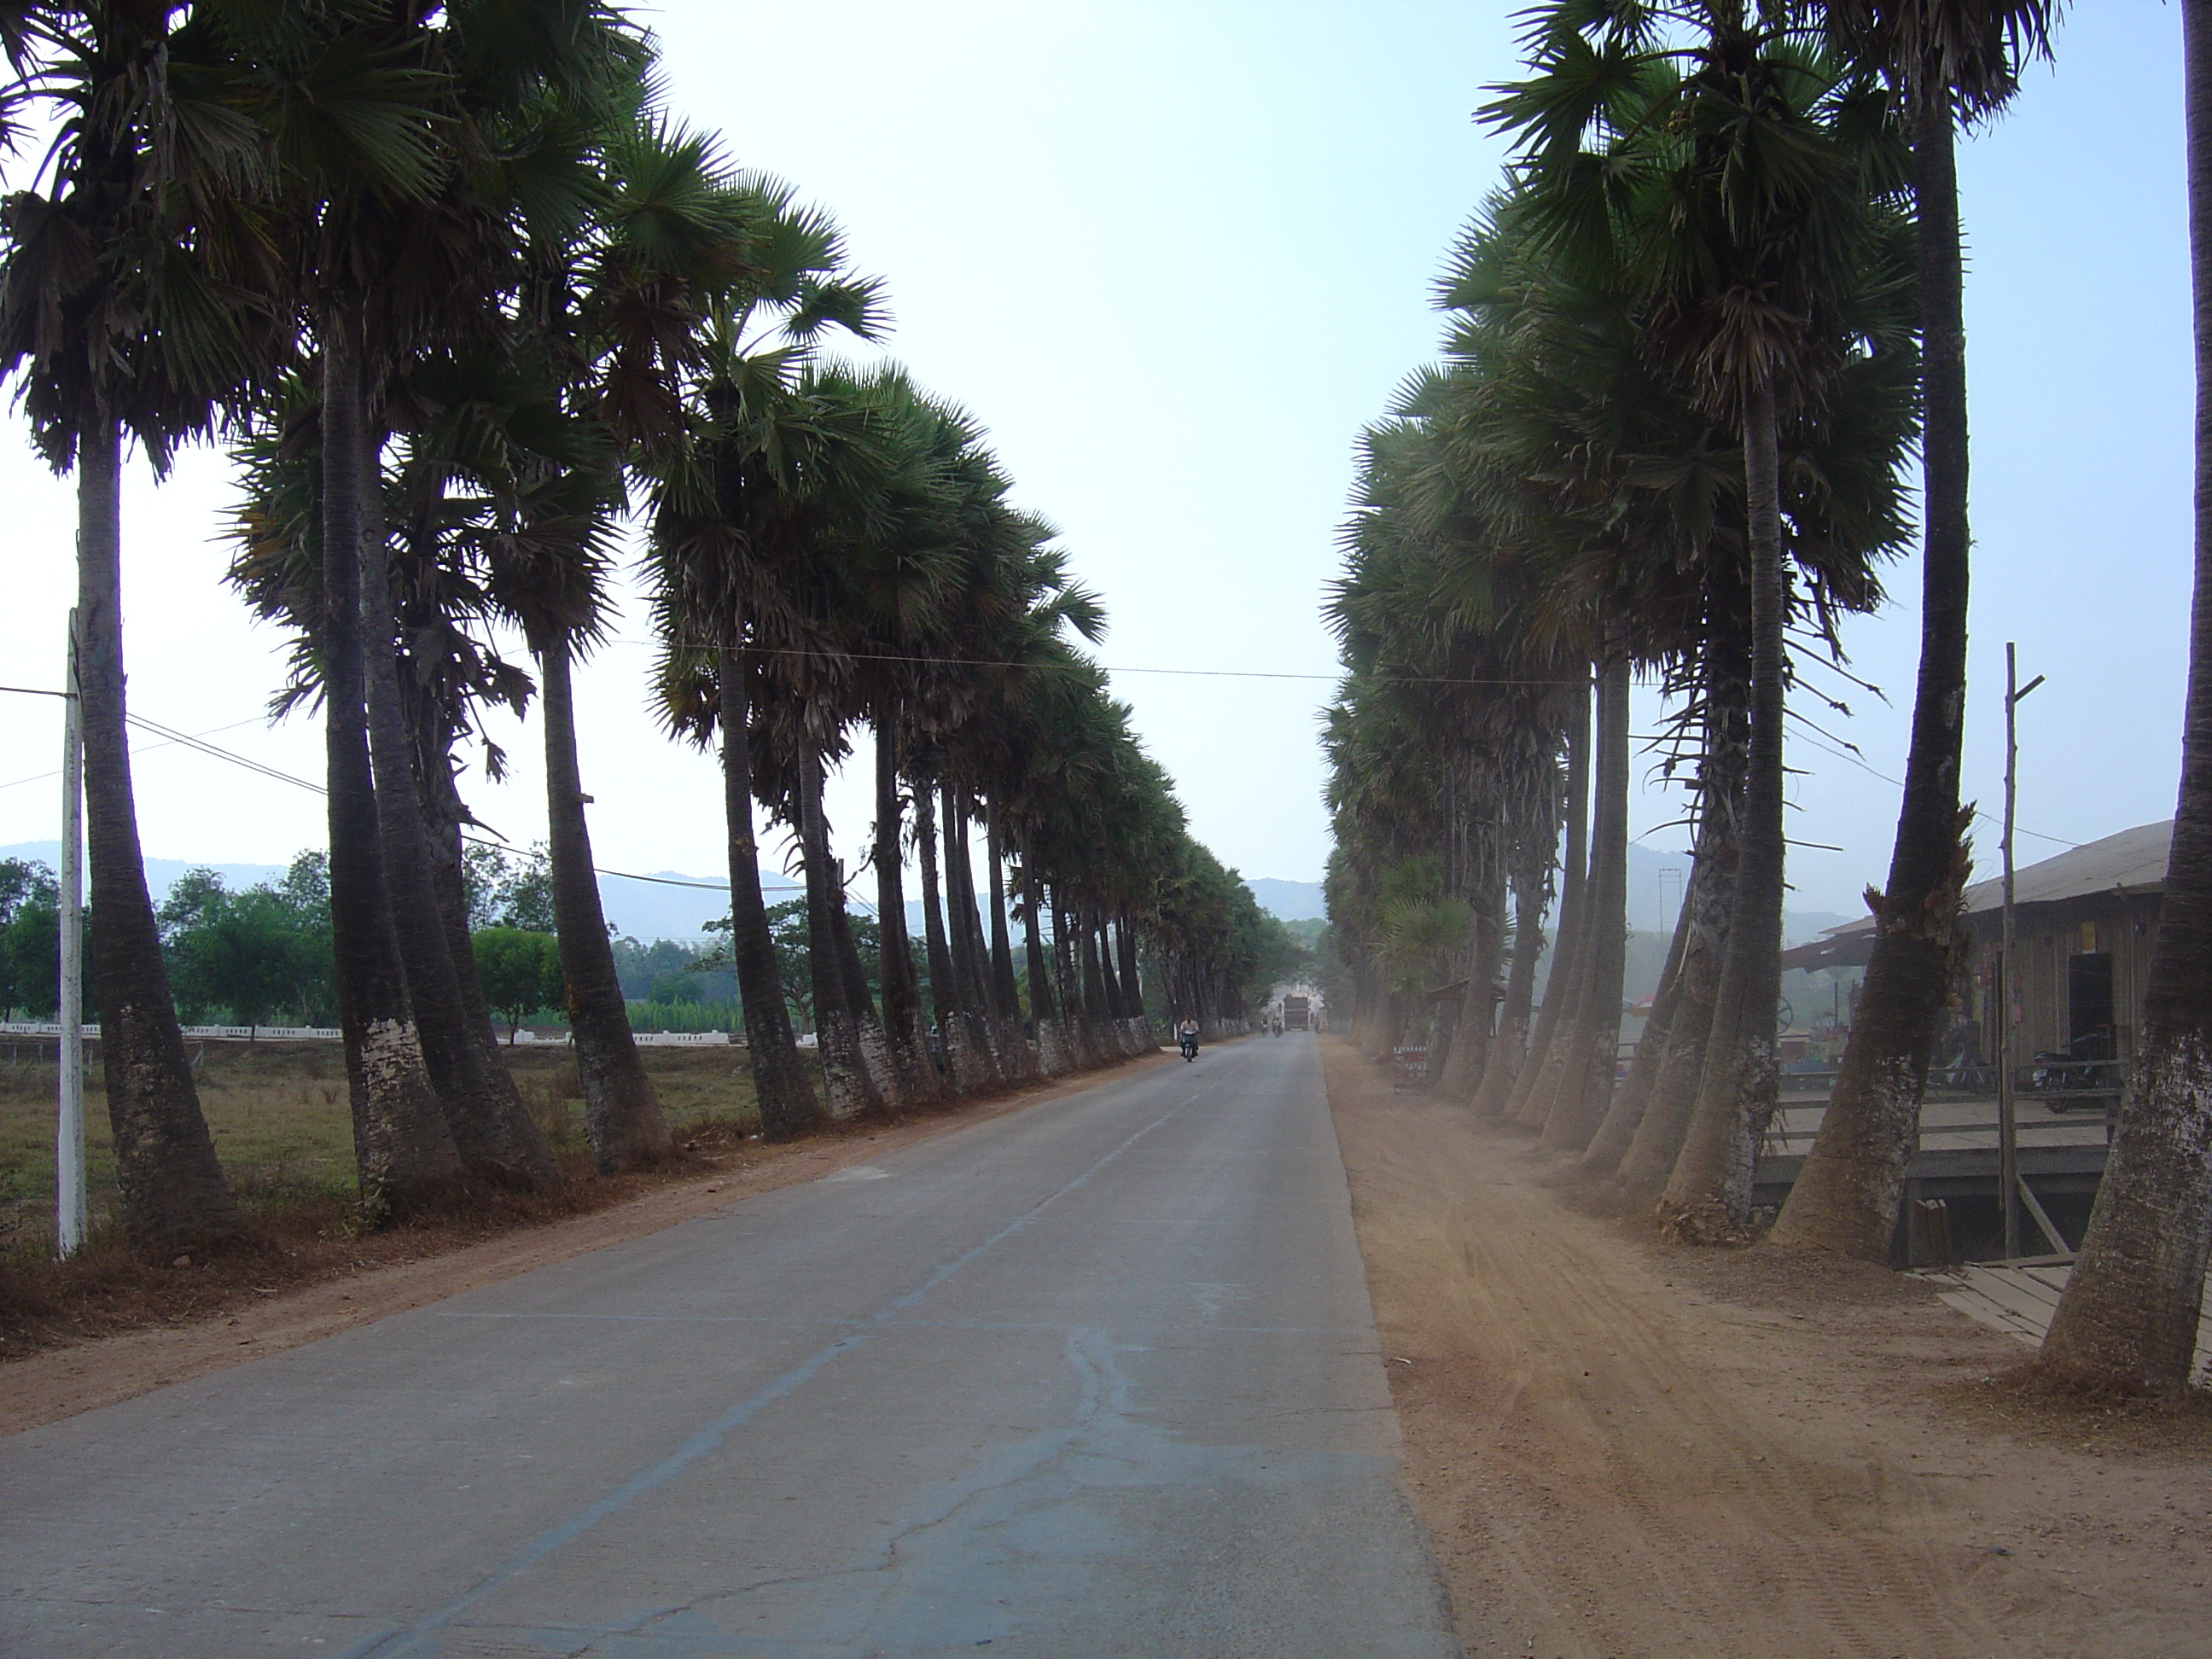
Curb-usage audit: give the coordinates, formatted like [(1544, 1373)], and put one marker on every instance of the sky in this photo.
[(1174, 256)]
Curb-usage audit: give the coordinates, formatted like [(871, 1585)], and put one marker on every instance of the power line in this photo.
[(190, 741), (218, 752), (140, 749)]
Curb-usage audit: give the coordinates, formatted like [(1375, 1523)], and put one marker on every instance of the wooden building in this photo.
[(2083, 924)]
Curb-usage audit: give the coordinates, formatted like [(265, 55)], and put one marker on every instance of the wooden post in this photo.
[(69, 1124), (2008, 1114)]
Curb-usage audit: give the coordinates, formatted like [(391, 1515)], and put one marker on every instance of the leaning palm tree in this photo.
[(117, 314), (1948, 61), (2128, 1320), (406, 237)]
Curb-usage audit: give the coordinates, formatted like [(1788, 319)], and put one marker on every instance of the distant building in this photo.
[(2083, 926)]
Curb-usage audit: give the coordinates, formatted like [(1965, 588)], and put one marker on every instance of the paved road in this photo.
[(1096, 1378)]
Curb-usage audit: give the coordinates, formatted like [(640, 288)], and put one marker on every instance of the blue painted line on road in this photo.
[(396, 1644)]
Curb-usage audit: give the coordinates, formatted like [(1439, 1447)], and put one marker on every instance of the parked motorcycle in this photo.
[(2077, 1067)]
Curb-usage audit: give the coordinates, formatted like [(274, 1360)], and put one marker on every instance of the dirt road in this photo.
[(1625, 1449)]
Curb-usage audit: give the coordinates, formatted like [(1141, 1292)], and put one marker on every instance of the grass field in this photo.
[(279, 1115)]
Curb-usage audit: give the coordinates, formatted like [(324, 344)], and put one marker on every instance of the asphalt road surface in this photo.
[(1099, 1377)]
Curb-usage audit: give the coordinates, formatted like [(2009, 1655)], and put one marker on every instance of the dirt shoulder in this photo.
[(1622, 1448), (60, 1381)]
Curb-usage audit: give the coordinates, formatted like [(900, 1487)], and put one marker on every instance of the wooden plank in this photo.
[(1982, 1311), (1993, 1278), (2020, 1298), (2042, 1217), (2036, 1305)]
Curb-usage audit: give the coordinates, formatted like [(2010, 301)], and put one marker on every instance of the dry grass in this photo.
[(279, 1116)]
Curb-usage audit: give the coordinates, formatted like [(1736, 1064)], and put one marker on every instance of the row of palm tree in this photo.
[(468, 305), (1663, 438), (1695, 336)]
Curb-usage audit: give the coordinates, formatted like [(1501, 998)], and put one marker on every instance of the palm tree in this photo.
[(2127, 1319), (1950, 60), (778, 463), (1746, 228), (124, 314)]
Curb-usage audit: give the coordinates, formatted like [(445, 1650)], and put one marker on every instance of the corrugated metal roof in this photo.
[(2133, 862)]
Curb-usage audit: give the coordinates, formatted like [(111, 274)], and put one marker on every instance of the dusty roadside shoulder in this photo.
[(1622, 1448), (59, 1382)]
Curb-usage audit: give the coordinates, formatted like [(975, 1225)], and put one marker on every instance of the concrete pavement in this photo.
[(1095, 1378)]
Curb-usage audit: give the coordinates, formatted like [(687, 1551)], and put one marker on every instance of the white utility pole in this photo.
[(2008, 1114), (68, 1129)]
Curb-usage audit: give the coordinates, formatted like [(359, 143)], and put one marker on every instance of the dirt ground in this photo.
[(1629, 1450), (55, 1382)]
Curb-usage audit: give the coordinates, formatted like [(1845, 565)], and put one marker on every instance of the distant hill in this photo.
[(1289, 900), (161, 873)]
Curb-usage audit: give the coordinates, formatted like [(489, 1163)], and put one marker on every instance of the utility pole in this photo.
[(69, 1127), (2008, 1113)]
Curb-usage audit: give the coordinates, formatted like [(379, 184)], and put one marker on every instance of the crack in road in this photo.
[(408, 1639)]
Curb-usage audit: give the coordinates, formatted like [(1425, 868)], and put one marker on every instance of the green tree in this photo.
[(30, 938), (520, 969)]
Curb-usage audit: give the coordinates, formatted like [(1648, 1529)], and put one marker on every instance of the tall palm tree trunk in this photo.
[(847, 1084), (874, 1042), (492, 1129), (1510, 1046), (1068, 981), (1132, 988), (970, 1071), (1586, 1085), (1708, 1195), (782, 1088), (622, 1111), (2127, 1319), (402, 1143), (1110, 999), (1006, 990), (1053, 1056), (901, 995), (1707, 905), (971, 969), (1565, 1057), (1098, 1012), (172, 1191), (1567, 941), (1469, 1054), (443, 814), (1611, 1142), (1846, 1196)]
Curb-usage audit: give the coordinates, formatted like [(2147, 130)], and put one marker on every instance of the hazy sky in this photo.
[(1174, 256)]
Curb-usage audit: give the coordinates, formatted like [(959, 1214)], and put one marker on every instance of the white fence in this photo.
[(323, 1034), (249, 1033)]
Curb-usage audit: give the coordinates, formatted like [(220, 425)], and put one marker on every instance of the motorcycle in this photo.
[(2059, 1072), (1189, 1046)]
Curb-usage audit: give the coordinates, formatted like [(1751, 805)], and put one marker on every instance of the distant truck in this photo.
[(1297, 1013)]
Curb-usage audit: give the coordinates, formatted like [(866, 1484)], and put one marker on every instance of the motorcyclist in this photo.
[(1186, 1038)]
